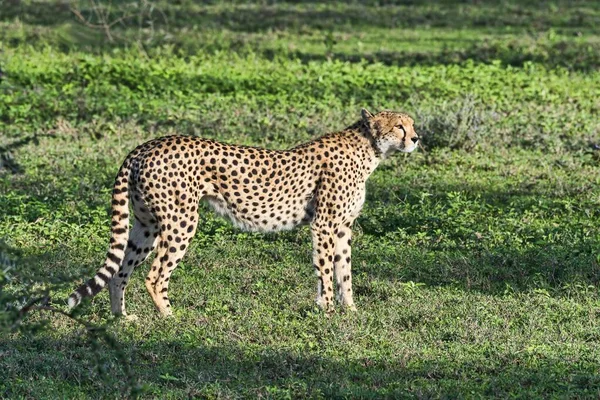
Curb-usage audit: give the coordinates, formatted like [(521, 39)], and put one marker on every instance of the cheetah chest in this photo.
[(357, 204)]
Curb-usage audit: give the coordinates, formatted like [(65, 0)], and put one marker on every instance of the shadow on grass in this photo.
[(31, 199), (337, 15), (560, 270), (7, 161), (487, 16), (570, 55), (487, 240), (67, 367)]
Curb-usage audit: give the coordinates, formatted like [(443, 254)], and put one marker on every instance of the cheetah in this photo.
[(321, 183)]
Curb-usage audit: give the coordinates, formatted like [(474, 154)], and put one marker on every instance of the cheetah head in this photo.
[(391, 131)]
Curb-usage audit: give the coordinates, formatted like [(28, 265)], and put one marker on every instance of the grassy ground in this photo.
[(475, 259)]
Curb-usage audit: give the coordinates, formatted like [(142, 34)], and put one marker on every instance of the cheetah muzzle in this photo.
[(321, 183)]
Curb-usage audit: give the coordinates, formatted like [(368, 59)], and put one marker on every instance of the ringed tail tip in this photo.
[(74, 300)]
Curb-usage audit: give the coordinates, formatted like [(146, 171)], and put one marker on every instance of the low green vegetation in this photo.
[(476, 258)]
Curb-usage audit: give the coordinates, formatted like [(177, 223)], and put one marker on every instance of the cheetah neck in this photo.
[(361, 129), (366, 148)]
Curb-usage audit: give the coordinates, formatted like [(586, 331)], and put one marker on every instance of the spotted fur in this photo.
[(321, 183)]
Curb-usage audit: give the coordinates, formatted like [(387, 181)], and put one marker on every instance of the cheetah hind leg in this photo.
[(141, 243), (172, 247)]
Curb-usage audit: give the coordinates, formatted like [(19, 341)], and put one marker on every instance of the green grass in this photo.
[(476, 259)]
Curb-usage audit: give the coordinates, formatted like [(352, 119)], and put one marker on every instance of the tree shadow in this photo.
[(198, 370), (33, 197), (524, 16), (336, 16), (571, 55), (7, 160)]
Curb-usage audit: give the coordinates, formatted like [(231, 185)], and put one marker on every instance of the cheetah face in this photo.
[(392, 131)]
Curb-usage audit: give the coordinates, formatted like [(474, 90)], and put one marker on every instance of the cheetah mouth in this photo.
[(409, 149)]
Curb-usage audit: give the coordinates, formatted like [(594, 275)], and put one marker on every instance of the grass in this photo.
[(475, 259)]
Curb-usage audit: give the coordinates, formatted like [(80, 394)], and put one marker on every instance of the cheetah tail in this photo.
[(118, 239)]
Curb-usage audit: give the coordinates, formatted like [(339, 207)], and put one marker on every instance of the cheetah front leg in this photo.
[(323, 249), (343, 267)]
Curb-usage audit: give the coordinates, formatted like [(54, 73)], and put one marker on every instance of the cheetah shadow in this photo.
[(464, 252)]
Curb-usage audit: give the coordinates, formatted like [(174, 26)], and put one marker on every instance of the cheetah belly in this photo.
[(275, 218)]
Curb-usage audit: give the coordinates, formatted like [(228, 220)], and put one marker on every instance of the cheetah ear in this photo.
[(367, 120), (366, 115)]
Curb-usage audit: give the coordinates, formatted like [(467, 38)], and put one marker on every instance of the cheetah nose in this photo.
[(414, 139)]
